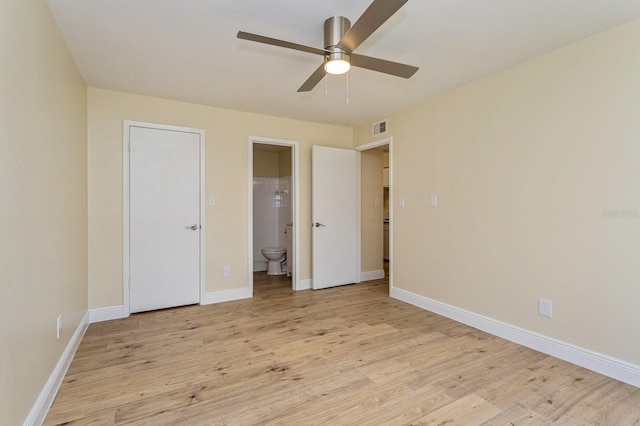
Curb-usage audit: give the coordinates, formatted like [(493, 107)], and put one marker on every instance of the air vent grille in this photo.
[(380, 128)]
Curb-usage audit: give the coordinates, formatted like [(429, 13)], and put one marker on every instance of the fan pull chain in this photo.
[(348, 87), (326, 77)]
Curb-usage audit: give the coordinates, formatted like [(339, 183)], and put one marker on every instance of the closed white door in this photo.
[(164, 218), (335, 179)]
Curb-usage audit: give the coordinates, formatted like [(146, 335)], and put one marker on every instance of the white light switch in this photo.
[(401, 202), (434, 201), (212, 201), (377, 202)]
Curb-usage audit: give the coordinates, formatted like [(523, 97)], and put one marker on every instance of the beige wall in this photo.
[(271, 163), (227, 134), (43, 218), (266, 163), (524, 163), (371, 215), (285, 162)]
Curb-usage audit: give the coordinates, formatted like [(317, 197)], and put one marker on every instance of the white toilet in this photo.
[(275, 255)]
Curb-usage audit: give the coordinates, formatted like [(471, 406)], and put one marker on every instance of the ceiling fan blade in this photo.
[(312, 81), (382, 65), (376, 14), (275, 42)]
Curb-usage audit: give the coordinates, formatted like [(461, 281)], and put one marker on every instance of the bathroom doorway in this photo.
[(273, 209), (376, 210)]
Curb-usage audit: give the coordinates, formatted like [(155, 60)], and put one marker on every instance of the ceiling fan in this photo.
[(341, 39)]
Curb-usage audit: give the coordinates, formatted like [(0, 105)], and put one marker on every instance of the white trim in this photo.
[(126, 125), (47, 395), (226, 296), (358, 264), (600, 363), (375, 144), (372, 275), (203, 215), (125, 215), (304, 285), (295, 182), (107, 314), (250, 216)]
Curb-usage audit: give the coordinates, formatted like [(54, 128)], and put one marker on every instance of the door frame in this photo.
[(126, 126), (295, 182), (371, 145)]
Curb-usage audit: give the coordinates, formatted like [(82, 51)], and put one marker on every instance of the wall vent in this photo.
[(380, 128)]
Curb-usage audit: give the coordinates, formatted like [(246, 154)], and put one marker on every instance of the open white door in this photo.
[(334, 186)]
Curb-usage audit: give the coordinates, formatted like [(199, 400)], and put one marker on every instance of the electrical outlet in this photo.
[(59, 326), (545, 307), (226, 271)]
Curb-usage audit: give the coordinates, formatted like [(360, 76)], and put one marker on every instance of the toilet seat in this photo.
[(274, 249)]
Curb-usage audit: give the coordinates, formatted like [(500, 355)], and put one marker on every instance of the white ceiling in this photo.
[(188, 50)]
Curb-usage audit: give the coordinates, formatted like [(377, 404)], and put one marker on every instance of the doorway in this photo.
[(163, 216), (377, 210), (273, 201)]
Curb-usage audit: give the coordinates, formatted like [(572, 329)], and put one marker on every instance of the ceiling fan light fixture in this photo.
[(337, 66), (341, 39), (337, 63)]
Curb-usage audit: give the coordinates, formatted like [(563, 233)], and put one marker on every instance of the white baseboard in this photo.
[(226, 296), (304, 285), (106, 314), (372, 275), (45, 399), (600, 363), (116, 312)]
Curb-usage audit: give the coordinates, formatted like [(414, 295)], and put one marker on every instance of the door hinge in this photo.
[(129, 283)]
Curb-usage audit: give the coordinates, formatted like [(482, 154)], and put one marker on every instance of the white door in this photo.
[(335, 178), (164, 218)]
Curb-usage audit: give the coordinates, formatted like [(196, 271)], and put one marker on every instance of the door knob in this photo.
[(192, 227), (318, 225)]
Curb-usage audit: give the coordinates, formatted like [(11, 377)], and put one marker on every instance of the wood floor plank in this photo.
[(423, 401), (557, 401), (468, 410), (533, 381), (614, 406), (345, 356), (518, 415)]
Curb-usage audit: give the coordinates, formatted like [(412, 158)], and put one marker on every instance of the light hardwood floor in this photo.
[(344, 356)]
